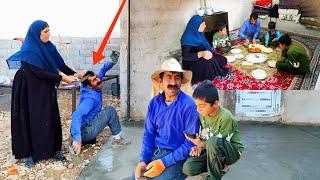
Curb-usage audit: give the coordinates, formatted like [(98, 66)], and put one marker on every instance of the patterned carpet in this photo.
[(240, 81), (279, 80)]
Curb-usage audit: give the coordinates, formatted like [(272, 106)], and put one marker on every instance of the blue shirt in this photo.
[(165, 126), (90, 104), (268, 37), (249, 29)]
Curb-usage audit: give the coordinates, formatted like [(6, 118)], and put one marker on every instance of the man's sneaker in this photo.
[(119, 142)]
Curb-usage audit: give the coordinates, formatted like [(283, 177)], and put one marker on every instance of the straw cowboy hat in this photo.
[(171, 64)]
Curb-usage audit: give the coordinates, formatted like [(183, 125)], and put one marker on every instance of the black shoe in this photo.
[(59, 156), (29, 162), (93, 141)]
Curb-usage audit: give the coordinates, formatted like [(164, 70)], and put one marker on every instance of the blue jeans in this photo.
[(106, 117), (171, 172)]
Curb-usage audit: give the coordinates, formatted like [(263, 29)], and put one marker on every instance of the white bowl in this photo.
[(256, 57), (239, 56), (235, 51), (259, 74), (230, 59)]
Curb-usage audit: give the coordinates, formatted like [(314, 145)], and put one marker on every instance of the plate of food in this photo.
[(272, 63), (230, 59), (255, 48), (259, 74), (267, 50), (239, 56), (246, 63), (235, 51), (256, 58)]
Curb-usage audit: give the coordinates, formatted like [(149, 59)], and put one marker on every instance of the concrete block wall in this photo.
[(76, 52)]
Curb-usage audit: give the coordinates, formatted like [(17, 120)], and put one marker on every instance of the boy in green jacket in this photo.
[(296, 58), (218, 145)]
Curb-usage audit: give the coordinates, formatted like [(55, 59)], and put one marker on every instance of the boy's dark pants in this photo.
[(218, 153)]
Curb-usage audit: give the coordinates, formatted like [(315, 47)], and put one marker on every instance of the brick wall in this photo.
[(76, 52)]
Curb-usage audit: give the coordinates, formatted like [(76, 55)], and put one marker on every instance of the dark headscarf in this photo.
[(192, 36), (35, 52)]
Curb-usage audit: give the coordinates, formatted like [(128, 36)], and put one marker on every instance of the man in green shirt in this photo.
[(296, 58), (218, 145)]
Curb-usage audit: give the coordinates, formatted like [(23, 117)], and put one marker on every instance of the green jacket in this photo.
[(224, 124), (298, 58)]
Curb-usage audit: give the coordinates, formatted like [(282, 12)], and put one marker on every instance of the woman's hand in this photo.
[(80, 74), (69, 79), (205, 54)]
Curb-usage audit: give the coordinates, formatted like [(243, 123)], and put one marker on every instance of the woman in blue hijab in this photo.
[(35, 120), (197, 53)]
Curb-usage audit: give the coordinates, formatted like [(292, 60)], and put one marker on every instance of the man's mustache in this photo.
[(172, 87), (99, 83)]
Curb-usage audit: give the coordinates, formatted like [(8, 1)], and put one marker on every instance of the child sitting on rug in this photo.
[(219, 143), (221, 40), (272, 36), (296, 59)]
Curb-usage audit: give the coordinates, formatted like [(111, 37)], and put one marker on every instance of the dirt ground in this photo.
[(50, 169)]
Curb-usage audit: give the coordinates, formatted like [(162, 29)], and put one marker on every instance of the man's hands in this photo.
[(76, 147), (196, 141), (139, 168), (155, 168), (195, 151), (205, 54), (114, 57), (254, 41), (247, 41)]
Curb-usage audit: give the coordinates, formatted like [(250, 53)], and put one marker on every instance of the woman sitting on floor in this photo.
[(296, 58), (197, 53)]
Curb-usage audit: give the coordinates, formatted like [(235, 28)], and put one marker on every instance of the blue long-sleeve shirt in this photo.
[(267, 37), (248, 29), (165, 125), (90, 104)]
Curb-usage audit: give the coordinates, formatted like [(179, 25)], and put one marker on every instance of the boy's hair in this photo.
[(206, 91), (254, 16), (285, 39), (272, 25), (221, 26), (84, 80)]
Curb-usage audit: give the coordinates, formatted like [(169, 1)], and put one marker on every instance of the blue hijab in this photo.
[(35, 52), (192, 36)]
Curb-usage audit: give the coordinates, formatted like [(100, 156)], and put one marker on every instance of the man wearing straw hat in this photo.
[(170, 114)]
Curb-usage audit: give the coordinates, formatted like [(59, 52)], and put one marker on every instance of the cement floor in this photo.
[(271, 152)]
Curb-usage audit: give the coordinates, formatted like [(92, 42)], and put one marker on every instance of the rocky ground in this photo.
[(49, 169)]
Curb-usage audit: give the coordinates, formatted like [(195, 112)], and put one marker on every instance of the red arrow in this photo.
[(97, 56)]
